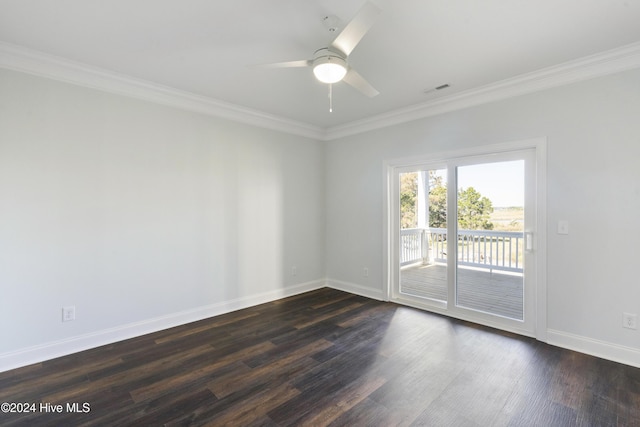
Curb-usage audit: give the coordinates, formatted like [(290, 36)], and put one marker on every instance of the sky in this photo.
[(502, 182)]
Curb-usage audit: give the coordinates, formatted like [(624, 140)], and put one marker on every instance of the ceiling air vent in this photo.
[(444, 86)]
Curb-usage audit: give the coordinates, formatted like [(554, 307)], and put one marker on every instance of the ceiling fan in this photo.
[(330, 64)]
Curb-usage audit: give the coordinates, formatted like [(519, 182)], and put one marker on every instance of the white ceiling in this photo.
[(207, 47)]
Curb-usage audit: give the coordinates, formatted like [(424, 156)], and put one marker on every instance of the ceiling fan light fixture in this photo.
[(329, 69)]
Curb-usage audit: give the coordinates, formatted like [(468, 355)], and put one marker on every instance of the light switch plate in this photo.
[(563, 226)]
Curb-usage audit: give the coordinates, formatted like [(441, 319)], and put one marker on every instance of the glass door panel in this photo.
[(490, 238), (423, 234)]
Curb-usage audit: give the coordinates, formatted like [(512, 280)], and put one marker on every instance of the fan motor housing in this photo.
[(327, 55), (328, 66)]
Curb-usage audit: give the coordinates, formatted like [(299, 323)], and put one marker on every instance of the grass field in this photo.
[(508, 219)]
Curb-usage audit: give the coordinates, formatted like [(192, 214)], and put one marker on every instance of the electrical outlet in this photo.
[(629, 321), (294, 271), (69, 313), (365, 272)]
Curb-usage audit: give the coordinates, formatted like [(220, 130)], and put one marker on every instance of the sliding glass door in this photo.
[(464, 231)]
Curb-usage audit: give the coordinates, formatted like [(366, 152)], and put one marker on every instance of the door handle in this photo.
[(528, 241)]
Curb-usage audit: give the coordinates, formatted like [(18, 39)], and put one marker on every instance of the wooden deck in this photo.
[(492, 292)]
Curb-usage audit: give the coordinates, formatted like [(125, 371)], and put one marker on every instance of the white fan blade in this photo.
[(357, 28), (289, 64), (358, 82)]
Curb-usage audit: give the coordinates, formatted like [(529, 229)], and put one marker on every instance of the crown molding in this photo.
[(25, 60), (18, 58), (601, 64)]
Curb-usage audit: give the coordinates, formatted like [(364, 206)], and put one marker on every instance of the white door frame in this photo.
[(391, 255)]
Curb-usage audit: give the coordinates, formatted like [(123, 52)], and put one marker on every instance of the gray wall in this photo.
[(143, 216)]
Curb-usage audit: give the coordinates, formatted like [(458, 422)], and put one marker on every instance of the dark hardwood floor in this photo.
[(326, 358)]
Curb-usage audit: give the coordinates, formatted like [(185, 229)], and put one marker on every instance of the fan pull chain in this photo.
[(330, 98)]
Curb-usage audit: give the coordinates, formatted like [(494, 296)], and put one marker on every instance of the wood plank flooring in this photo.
[(327, 358)]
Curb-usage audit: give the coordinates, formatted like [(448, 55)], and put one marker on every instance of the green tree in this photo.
[(438, 206), (474, 210), (408, 197)]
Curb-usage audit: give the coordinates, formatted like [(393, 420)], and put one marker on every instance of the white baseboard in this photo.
[(35, 354), (356, 289), (51, 350), (602, 349)]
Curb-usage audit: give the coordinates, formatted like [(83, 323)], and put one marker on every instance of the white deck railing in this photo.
[(494, 250)]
